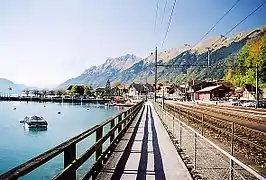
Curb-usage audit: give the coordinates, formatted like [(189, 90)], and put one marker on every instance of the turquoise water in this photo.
[(18, 144)]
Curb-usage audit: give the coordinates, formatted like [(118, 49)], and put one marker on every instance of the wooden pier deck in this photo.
[(145, 152)]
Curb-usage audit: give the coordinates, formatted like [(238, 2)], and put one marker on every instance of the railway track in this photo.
[(246, 119), (252, 113), (249, 142)]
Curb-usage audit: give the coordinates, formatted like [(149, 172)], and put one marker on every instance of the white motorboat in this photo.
[(35, 122)]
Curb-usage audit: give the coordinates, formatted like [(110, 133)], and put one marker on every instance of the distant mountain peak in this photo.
[(129, 68), (6, 83), (4, 80)]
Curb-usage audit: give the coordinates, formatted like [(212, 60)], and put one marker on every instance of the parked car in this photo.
[(249, 104), (262, 103)]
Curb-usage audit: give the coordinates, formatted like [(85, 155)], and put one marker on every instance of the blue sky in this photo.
[(45, 42)]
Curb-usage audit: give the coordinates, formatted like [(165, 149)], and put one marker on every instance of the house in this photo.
[(139, 91), (100, 91), (249, 92), (196, 86), (175, 92), (80, 89), (120, 90), (163, 90), (264, 94), (212, 92)]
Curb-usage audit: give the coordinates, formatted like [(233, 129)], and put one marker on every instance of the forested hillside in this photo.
[(244, 63)]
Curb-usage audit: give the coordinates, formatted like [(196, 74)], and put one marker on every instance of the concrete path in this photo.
[(145, 152)]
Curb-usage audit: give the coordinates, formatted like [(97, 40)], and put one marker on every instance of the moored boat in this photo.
[(35, 122)]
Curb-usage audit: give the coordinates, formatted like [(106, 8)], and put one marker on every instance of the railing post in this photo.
[(195, 152), (232, 152), (69, 157), (202, 123), (99, 134), (125, 122), (180, 134), (112, 136), (120, 119), (173, 127), (175, 113)]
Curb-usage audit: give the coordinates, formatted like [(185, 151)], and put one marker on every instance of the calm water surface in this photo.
[(18, 144)]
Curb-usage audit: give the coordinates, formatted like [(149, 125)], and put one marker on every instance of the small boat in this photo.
[(34, 122), (14, 108), (58, 112)]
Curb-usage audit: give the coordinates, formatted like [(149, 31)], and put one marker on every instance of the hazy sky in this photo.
[(45, 42)]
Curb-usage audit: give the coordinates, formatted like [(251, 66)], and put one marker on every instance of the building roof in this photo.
[(99, 89), (251, 88), (78, 86), (210, 88), (142, 87), (149, 87), (203, 84), (122, 87)]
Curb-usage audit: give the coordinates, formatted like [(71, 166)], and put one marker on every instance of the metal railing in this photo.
[(116, 126), (203, 157)]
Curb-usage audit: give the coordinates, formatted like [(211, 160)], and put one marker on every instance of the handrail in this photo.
[(71, 163)]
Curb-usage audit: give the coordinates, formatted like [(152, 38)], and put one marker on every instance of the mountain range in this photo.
[(188, 61), (5, 84)]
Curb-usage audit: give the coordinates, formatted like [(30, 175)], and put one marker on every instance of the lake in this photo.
[(18, 144)]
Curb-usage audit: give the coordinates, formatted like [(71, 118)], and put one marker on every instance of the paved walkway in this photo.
[(145, 152)]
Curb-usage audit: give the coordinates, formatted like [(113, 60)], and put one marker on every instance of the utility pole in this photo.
[(163, 99), (193, 83), (257, 96), (208, 62), (155, 76), (146, 86)]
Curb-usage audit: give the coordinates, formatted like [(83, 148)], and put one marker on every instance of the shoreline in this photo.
[(56, 99), (64, 100)]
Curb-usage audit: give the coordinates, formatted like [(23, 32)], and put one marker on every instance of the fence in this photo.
[(116, 127), (204, 158)]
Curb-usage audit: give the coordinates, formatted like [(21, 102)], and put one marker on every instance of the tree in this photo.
[(59, 92), (116, 86), (44, 92), (228, 75), (252, 53), (36, 92), (88, 90), (108, 88), (74, 89), (117, 83), (27, 92)]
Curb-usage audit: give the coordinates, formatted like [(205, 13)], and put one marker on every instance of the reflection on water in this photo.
[(34, 131)]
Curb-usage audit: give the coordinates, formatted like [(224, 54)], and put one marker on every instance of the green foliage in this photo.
[(59, 92), (252, 54), (117, 83), (74, 89), (88, 90), (108, 87)]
